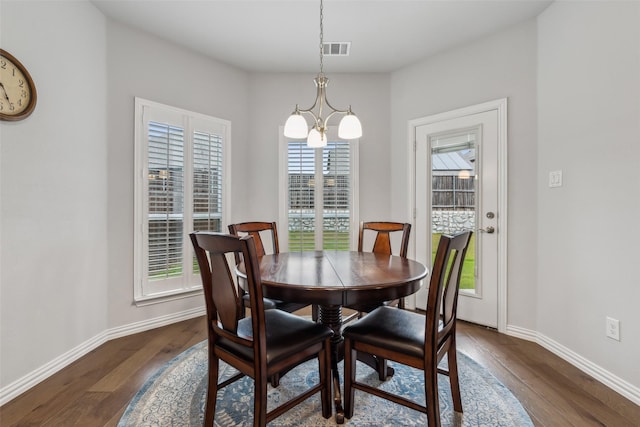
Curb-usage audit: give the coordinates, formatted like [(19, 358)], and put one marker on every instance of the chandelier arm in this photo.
[(319, 96), (335, 110), (331, 115), (310, 112)]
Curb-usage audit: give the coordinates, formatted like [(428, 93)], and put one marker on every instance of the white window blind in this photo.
[(319, 194), (181, 188), (165, 200), (336, 195), (301, 196), (207, 182)]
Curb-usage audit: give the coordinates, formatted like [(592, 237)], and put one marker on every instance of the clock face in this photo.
[(17, 92)]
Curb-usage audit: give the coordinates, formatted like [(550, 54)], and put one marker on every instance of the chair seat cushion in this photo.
[(270, 304), (365, 308), (288, 306), (286, 334), (390, 328)]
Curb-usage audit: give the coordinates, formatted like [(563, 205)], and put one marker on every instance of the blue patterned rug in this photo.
[(175, 396)]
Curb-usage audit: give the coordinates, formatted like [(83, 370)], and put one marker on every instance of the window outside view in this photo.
[(453, 196), (328, 210)]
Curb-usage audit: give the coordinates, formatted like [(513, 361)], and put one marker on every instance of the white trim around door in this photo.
[(500, 105)]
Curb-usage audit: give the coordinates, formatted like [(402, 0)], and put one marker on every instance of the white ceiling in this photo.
[(283, 36)]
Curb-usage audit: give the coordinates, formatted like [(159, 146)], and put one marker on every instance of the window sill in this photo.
[(145, 300)]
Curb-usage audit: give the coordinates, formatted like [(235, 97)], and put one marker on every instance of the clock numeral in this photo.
[(3, 64), (23, 93), (1, 105), (21, 83)]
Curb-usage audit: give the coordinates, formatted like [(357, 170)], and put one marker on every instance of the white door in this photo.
[(460, 183)]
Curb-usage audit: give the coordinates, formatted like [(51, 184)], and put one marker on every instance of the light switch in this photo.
[(555, 179)]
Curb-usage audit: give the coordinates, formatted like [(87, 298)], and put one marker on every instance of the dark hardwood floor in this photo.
[(95, 390)]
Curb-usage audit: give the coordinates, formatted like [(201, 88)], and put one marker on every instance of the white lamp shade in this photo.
[(295, 127), (316, 139), (350, 127)]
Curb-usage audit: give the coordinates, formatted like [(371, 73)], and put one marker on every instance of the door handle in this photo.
[(488, 230)]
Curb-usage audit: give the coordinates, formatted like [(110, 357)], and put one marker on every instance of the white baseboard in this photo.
[(45, 371), (607, 378), (23, 384), (145, 325)]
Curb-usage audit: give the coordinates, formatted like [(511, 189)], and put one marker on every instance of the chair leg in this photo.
[(431, 395), (245, 303), (381, 367), (260, 401), (349, 378), (275, 380), (452, 360), (324, 364), (212, 391)]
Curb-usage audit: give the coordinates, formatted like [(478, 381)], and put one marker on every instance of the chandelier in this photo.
[(296, 126)]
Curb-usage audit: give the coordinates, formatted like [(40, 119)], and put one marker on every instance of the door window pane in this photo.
[(453, 195)]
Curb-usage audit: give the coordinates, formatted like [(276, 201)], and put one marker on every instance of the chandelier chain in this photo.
[(321, 38)]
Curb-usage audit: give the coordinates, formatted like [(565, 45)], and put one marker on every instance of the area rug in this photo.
[(175, 396)]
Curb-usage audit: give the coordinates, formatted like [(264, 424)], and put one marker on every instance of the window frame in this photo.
[(189, 282), (283, 168)]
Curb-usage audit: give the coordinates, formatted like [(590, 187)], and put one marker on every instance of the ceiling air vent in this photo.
[(336, 48)]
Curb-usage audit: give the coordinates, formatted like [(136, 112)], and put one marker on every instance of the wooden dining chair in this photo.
[(256, 229), (258, 346), (376, 235), (382, 231), (414, 339)]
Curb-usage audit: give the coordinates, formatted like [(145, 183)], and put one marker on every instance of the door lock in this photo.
[(488, 230)]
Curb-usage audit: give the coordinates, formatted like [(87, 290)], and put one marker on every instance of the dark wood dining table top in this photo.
[(339, 278)]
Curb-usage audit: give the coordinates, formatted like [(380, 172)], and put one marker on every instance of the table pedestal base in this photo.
[(331, 316)]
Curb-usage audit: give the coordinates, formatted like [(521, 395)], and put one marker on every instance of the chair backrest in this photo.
[(442, 299), (224, 306), (255, 229), (382, 230)]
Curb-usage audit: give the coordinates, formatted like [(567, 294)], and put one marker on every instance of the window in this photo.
[(314, 219), (181, 159)]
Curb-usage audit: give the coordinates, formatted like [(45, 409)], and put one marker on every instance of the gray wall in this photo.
[(143, 66), (273, 98), (53, 188), (498, 66), (589, 127), (571, 77)]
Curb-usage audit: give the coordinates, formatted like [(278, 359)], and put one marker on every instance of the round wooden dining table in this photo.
[(333, 279)]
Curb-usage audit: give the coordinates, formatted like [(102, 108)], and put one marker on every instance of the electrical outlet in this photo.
[(613, 328), (555, 179)]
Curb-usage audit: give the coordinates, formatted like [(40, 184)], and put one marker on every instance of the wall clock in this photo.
[(17, 91)]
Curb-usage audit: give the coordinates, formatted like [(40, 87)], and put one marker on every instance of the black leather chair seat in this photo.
[(365, 308), (270, 304), (392, 328), (286, 334)]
